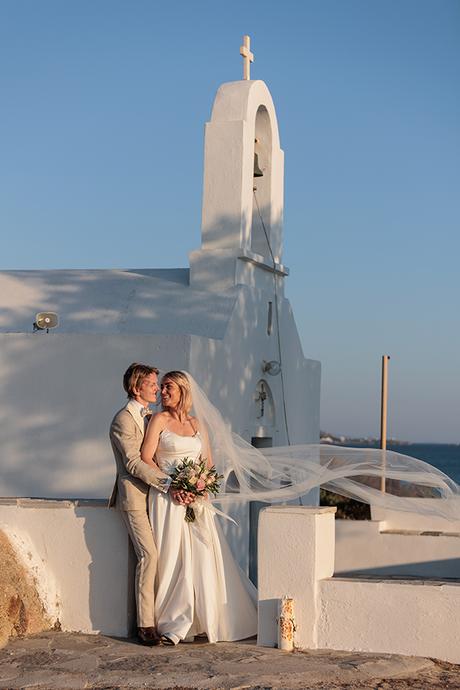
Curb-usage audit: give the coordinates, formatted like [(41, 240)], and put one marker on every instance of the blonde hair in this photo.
[(134, 375), (180, 379)]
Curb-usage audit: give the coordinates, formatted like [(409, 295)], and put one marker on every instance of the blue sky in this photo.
[(101, 147)]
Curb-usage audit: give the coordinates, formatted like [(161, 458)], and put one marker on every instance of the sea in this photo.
[(444, 456)]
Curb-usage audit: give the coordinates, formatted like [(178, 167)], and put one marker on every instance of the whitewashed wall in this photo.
[(59, 394), (394, 617), (79, 555), (397, 616), (61, 390), (366, 547), (229, 371), (422, 519)]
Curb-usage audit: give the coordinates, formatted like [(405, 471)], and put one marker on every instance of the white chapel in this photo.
[(224, 318)]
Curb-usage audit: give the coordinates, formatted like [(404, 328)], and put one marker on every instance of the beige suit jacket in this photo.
[(134, 477)]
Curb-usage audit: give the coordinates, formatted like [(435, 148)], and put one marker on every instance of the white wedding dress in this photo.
[(200, 588)]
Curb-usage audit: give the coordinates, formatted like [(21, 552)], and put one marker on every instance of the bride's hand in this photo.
[(177, 496), (182, 497), (188, 497)]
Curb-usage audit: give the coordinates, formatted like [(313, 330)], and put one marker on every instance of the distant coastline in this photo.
[(326, 437), (332, 439)]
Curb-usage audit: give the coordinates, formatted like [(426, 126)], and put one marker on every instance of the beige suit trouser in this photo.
[(140, 532)]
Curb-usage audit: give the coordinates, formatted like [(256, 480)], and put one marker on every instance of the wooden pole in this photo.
[(383, 417)]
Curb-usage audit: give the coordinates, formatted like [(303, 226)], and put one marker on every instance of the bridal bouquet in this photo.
[(194, 476)]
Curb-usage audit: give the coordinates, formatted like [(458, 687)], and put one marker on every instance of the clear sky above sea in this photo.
[(102, 107)]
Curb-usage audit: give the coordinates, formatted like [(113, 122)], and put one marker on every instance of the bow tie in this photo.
[(146, 411)]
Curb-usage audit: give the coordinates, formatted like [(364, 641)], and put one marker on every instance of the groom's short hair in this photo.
[(135, 374)]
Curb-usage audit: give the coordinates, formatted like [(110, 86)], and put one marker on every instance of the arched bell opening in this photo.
[(261, 207)]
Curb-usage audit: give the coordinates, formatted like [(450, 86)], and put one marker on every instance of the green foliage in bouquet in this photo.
[(195, 477)]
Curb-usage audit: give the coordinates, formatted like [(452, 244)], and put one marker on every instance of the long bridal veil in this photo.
[(284, 473)]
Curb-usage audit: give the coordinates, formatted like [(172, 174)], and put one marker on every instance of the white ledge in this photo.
[(301, 510), (420, 533), (395, 579), (265, 264), (21, 502)]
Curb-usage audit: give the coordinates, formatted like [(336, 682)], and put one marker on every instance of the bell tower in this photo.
[(242, 212)]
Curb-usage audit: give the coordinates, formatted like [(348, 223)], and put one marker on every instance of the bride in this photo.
[(200, 588)]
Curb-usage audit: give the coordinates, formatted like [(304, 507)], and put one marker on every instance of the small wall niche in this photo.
[(263, 409), (270, 318)]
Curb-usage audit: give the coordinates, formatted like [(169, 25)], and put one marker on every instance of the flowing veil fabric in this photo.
[(284, 473)]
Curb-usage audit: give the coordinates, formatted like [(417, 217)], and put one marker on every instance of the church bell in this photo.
[(257, 171)]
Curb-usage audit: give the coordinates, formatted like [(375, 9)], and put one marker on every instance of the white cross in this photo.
[(248, 57)]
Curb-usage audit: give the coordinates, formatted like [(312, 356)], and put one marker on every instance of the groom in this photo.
[(130, 493)]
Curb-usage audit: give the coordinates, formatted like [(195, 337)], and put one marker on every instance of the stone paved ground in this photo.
[(65, 661)]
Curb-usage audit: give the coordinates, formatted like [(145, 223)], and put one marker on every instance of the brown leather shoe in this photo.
[(148, 636)]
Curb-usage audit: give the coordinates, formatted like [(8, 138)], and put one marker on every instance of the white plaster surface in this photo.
[(362, 547), (414, 618), (296, 550), (416, 521), (59, 394), (112, 301), (80, 555)]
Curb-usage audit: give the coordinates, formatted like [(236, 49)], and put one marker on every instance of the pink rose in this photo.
[(200, 485)]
